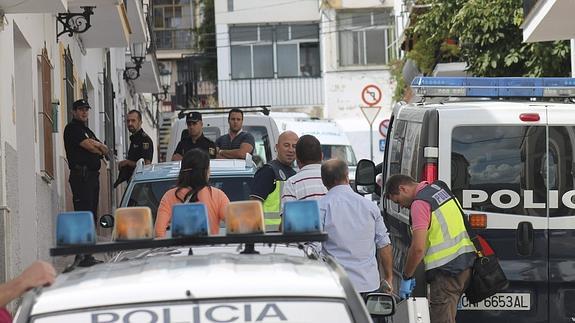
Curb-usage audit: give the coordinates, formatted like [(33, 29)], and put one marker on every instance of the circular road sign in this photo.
[(371, 95), (383, 126)]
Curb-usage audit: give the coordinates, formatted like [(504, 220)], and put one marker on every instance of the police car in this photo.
[(150, 182), (506, 147), (218, 287)]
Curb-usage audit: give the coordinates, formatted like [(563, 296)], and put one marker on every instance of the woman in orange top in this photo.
[(193, 185)]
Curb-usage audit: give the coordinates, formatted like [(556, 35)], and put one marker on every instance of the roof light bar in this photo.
[(529, 87), (190, 220), (75, 228), (301, 217)]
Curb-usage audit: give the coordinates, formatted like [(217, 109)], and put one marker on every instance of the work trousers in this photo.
[(85, 191), (445, 292)]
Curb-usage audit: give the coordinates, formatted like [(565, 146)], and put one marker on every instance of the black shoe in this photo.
[(89, 261)]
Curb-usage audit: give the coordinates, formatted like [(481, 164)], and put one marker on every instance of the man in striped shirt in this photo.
[(306, 184)]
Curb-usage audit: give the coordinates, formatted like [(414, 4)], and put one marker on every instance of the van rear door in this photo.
[(561, 120), (495, 159)]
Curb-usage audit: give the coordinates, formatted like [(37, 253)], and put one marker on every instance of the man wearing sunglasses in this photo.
[(195, 138)]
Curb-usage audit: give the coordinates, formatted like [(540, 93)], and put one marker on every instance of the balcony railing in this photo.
[(174, 39), (274, 92)]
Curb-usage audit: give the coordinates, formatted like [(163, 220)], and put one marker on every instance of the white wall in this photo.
[(262, 11)]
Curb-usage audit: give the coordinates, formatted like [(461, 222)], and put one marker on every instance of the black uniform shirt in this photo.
[(265, 178), (187, 144), (226, 143), (141, 146), (74, 133)]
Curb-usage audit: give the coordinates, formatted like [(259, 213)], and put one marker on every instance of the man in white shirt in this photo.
[(356, 231)]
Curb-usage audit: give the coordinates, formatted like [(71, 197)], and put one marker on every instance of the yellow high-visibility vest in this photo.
[(447, 237)]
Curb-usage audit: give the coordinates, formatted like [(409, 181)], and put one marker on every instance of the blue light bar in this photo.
[(75, 228), (301, 217), (529, 87), (190, 220)]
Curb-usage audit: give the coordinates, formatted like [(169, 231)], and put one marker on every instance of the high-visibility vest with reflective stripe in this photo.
[(272, 204), (447, 237)]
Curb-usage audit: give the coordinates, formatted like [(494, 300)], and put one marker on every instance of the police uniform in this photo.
[(267, 187), (84, 165), (186, 143), (141, 146)]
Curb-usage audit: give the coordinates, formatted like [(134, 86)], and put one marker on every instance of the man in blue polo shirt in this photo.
[(237, 143)]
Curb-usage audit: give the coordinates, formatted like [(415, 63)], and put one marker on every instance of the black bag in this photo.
[(487, 277)]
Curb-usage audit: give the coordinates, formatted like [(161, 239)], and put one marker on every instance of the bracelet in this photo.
[(405, 277)]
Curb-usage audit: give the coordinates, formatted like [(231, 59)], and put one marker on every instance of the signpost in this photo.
[(371, 96)]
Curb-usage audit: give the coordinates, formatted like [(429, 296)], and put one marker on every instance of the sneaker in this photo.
[(89, 261)]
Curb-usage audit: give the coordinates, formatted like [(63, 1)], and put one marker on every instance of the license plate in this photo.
[(498, 302)]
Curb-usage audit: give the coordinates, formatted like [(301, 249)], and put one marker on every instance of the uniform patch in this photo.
[(146, 145), (211, 151), (441, 196)]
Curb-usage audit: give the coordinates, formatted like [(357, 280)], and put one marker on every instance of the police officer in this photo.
[(83, 151), (141, 146), (268, 180), (439, 238), (195, 138)]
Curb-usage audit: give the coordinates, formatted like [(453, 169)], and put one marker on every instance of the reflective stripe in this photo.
[(442, 261), (442, 224), (272, 221), (448, 243)]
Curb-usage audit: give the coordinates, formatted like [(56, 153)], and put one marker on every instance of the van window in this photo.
[(561, 169), (508, 161), (405, 148), (342, 152), (262, 151)]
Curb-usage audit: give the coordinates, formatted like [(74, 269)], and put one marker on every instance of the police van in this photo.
[(506, 147), (216, 287)]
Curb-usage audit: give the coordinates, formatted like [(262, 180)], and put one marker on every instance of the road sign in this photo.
[(371, 95), (381, 144), (383, 126), (370, 113)]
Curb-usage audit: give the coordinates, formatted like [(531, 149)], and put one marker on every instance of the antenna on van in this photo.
[(265, 109)]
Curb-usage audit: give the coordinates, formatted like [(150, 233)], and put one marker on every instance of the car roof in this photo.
[(160, 279), (218, 167), (484, 104)]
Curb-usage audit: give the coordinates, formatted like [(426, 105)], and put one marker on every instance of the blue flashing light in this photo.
[(75, 228), (190, 220), (531, 87), (301, 217)]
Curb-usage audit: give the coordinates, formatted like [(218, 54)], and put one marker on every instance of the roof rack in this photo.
[(224, 110), (495, 87)]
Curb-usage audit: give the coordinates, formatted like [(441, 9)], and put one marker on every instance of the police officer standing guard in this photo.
[(195, 138), (83, 151), (268, 180), (141, 146)]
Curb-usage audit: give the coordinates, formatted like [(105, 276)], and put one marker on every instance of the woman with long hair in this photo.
[(193, 186)]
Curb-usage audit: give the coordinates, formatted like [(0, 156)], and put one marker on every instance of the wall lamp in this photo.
[(138, 55), (165, 82), (74, 23)]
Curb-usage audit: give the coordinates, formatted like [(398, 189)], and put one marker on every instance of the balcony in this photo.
[(547, 20), (44, 6), (281, 92)]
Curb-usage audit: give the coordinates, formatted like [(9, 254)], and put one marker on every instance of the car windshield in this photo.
[(237, 311), (150, 193), (342, 152)]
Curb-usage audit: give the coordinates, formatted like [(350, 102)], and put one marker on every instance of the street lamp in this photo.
[(138, 55), (165, 82)]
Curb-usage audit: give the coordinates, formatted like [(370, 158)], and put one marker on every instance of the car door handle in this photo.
[(524, 238)]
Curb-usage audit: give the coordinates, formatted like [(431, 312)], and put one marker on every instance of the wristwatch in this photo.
[(405, 277)]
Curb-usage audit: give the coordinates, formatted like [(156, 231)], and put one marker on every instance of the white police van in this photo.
[(509, 157), (218, 287)]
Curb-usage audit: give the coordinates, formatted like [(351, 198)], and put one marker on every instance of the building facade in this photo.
[(45, 71)]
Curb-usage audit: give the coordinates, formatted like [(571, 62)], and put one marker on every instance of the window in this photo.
[(279, 50), (70, 82), (230, 5), (341, 152), (173, 24), (47, 115), (150, 193), (366, 38), (510, 160), (262, 153)]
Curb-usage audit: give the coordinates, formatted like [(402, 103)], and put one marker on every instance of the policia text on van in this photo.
[(509, 158)]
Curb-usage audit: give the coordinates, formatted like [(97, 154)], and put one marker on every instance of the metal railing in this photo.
[(274, 92)]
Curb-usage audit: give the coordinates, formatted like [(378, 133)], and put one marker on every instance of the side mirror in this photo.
[(107, 221), (365, 177), (380, 305)]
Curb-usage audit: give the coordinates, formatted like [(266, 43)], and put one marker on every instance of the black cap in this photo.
[(194, 117), (80, 103)]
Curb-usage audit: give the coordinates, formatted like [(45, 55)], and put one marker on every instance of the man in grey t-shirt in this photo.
[(236, 143)]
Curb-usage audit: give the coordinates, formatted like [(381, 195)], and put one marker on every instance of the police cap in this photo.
[(193, 117), (80, 103)]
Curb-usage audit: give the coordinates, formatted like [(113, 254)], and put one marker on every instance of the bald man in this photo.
[(268, 180)]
